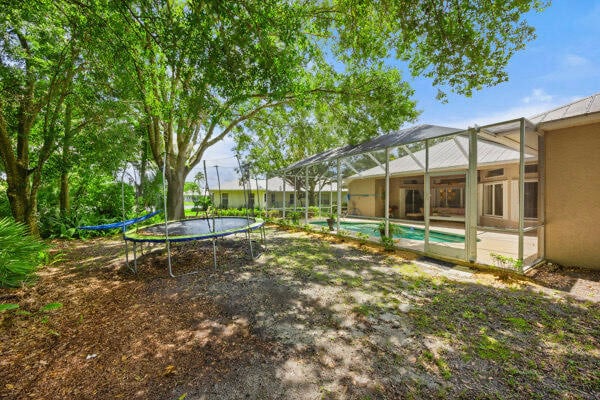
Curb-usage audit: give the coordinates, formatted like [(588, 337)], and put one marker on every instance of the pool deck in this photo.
[(489, 241)]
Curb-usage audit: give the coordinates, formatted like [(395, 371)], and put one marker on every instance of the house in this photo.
[(527, 188), (262, 194), (498, 176), (572, 182)]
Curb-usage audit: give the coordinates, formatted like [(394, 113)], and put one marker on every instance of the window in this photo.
[(531, 199), (451, 197), (493, 202), (413, 201), (495, 172), (272, 198), (291, 198), (531, 169), (224, 200)]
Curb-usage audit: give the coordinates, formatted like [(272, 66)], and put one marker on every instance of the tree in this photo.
[(203, 70), (215, 66), (462, 46), (38, 61)]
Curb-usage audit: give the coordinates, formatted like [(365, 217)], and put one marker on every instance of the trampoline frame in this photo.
[(134, 237)]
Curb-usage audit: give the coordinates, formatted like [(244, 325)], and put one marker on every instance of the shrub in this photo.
[(388, 243), (20, 253), (295, 217)]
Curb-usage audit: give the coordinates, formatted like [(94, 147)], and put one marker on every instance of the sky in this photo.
[(561, 65)]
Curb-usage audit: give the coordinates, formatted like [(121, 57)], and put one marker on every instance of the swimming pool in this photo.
[(406, 232)]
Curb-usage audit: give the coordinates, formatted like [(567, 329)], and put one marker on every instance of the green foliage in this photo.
[(310, 79), (343, 234), (191, 187), (362, 238), (202, 203), (392, 229), (8, 306), (20, 253), (295, 217), (388, 243), (50, 307), (98, 201), (507, 262), (4, 204), (490, 348)]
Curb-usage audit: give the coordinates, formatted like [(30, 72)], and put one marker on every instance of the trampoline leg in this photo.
[(127, 256), (169, 259), (264, 236), (250, 242), (215, 253), (134, 258)]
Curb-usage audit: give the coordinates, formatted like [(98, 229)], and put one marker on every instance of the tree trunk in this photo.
[(143, 168), (176, 181), (23, 205), (64, 200)]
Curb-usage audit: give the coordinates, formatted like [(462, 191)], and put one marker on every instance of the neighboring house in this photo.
[(325, 196), (259, 194)]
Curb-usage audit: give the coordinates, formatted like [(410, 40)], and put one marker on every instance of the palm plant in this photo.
[(20, 253)]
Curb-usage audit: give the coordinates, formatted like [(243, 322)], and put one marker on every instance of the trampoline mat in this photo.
[(198, 226)]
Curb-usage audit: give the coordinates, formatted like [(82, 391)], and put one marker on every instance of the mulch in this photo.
[(120, 335), (580, 283)]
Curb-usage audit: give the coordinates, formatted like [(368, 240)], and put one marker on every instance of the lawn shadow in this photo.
[(308, 319)]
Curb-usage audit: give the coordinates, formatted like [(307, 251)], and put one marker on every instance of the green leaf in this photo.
[(51, 307), (8, 306)]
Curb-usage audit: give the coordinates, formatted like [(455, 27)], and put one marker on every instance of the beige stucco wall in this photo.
[(510, 219), (362, 197), (573, 196)]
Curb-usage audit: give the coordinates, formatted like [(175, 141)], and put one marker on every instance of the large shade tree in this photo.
[(39, 58), (205, 69), (60, 97)]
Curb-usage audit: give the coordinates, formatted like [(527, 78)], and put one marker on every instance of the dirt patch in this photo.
[(308, 319), (582, 284)]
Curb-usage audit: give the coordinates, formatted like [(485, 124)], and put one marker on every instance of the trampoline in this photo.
[(206, 228), (194, 229)]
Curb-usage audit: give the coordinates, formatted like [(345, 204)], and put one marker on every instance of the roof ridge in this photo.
[(567, 106)]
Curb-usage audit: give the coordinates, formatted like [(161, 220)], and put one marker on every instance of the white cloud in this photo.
[(537, 96), (219, 155), (574, 61), (516, 111)]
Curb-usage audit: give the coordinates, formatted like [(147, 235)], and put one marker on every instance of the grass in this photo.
[(535, 345), (344, 320)]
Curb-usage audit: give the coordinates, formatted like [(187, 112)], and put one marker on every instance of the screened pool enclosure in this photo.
[(483, 184)]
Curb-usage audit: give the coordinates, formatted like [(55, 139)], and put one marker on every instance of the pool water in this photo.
[(406, 232)]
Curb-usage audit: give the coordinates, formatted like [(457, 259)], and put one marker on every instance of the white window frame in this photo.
[(537, 200), (226, 197), (493, 205)]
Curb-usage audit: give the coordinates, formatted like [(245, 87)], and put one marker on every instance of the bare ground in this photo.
[(309, 319)]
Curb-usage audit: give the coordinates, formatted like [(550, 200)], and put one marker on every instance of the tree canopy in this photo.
[(190, 73)]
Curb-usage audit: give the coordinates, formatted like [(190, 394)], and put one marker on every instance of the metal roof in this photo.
[(449, 154), (577, 108), (588, 105), (275, 185), (398, 138)]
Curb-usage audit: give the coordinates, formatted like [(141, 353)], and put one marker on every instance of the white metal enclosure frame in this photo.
[(520, 138)]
